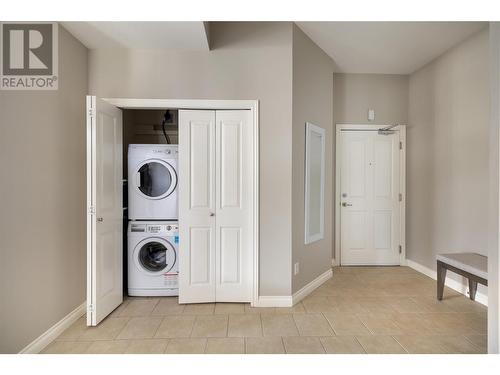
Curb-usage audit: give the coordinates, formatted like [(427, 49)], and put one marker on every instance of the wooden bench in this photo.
[(470, 265)]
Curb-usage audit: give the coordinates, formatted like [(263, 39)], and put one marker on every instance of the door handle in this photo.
[(345, 204), (100, 219), (212, 214)]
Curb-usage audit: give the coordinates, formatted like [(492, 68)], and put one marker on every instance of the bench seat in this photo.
[(470, 265)]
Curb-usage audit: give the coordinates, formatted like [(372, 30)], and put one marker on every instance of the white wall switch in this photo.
[(296, 268), (371, 115)]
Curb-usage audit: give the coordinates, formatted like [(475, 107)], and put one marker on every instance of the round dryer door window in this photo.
[(155, 256), (156, 179)]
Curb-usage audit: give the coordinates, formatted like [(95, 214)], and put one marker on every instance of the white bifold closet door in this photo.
[(104, 209), (215, 206)]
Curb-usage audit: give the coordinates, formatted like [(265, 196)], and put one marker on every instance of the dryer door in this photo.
[(155, 179), (154, 256)]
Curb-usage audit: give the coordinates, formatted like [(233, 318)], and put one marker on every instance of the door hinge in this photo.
[(400, 145), (92, 210), (400, 249), (91, 308), (400, 197), (91, 112)]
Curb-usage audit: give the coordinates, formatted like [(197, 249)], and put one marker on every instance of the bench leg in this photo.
[(441, 277), (472, 289)]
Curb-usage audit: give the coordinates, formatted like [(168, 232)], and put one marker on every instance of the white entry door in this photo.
[(215, 206), (105, 209), (369, 198)]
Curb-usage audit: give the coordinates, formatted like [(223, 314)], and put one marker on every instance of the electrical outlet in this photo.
[(371, 115), (296, 268)]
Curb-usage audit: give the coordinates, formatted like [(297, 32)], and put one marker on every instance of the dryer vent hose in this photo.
[(167, 117)]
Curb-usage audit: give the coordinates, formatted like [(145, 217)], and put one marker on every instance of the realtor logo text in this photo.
[(29, 56)]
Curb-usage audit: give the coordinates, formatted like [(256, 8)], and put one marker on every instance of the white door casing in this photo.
[(104, 209), (369, 197), (216, 206)]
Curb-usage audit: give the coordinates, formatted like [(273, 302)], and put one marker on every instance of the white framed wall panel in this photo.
[(314, 184)]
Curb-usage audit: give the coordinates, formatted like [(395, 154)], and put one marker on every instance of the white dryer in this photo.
[(152, 182), (153, 259)]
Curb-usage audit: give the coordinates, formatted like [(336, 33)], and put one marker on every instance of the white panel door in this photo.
[(215, 206), (234, 206), (105, 209), (370, 207), (197, 206)]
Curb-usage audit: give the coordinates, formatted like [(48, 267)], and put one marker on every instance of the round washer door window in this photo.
[(156, 256), (156, 179)]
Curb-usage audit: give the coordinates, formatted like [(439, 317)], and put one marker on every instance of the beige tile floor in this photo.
[(359, 310)]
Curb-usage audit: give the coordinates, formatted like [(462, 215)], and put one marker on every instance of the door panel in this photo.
[(201, 255), (230, 255), (197, 206), (234, 213), (230, 163), (370, 198), (201, 163), (104, 201)]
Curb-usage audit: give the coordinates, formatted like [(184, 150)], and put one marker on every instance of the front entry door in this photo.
[(104, 209), (369, 198)]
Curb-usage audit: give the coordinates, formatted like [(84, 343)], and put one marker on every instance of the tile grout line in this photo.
[(330, 325), (473, 344), (401, 345), (322, 345), (157, 327), (360, 344), (192, 326)]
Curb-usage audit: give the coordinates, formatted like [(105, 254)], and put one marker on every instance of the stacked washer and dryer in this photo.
[(153, 230)]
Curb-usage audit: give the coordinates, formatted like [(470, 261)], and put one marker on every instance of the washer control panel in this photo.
[(167, 229)]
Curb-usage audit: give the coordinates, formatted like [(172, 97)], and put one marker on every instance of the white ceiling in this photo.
[(140, 35), (386, 47), (356, 47)]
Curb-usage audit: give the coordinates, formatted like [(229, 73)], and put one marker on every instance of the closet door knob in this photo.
[(212, 214)]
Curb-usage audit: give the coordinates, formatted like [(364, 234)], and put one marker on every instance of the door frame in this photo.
[(401, 129), (208, 104)]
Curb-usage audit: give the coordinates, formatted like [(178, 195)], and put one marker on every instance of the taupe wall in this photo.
[(249, 61), (448, 153), (312, 102), (42, 192), (354, 94)]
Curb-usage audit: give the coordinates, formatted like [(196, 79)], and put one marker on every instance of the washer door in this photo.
[(155, 179), (154, 256)]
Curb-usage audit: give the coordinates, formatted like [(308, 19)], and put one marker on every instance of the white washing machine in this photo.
[(153, 259), (152, 182)]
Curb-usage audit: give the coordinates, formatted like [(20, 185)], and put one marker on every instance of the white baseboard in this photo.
[(51, 334), (307, 289), (288, 301), (450, 283), (274, 301)]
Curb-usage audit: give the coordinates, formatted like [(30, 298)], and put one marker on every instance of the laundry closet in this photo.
[(172, 202)]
